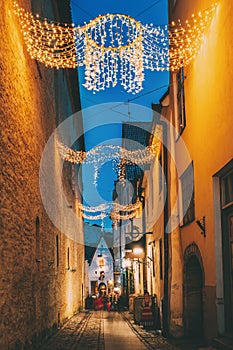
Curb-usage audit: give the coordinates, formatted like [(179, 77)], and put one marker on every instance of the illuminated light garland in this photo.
[(94, 217), (120, 157), (103, 153), (110, 207), (117, 216), (113, 46), (128, 207), (185, 38), (112, 210), (93, 209)]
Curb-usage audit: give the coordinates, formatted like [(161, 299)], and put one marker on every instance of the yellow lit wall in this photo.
[(208, 132), (34, 295)]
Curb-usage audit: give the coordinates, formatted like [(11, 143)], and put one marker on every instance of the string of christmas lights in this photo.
[(94, 217), (103, 153), (113, 46), (108, 207), (117, 216), (185, 38), (119, 157), (112, 209)]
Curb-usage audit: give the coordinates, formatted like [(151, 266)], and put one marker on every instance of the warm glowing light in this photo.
[(185, 39), (94, 217), (137, 251), (126, 263), (117, 216), (103, 153), (110, 207), (113, 46), (119, 156)]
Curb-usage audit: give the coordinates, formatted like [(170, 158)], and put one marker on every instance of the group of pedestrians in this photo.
[(146, 313), (107, 302)]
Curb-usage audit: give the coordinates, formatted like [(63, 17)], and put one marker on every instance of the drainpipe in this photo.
[(166, 238)]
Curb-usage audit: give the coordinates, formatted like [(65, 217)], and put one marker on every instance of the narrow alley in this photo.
[(116, 175), (102, 330)]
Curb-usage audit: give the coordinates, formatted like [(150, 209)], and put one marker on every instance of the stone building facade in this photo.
[(41, 268), (197, 229), (200, 102)]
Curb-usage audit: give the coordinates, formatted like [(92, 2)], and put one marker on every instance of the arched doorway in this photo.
[(102, 288), (193, 293)]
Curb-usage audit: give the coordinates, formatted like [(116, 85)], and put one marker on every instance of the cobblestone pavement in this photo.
[(82, 331), (154, 339), (101, 330)]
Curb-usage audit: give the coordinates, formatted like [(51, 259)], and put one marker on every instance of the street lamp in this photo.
[(137, 251)]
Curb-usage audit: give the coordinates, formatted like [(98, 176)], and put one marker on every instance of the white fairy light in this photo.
[(113, 46), (110, 207), (103, 153)]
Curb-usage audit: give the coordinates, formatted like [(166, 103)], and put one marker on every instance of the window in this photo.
[(181, 118), (187, 195), (227, 189), (94, 287), (101, 262)]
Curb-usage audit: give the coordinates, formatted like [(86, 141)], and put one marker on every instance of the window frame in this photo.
[(189, 215), (180, 98)]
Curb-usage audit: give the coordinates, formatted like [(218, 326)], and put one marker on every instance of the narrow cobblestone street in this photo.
[(98, 330)]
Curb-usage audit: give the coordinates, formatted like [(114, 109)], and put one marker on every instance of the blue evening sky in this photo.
[(147, 11), (154, 86)]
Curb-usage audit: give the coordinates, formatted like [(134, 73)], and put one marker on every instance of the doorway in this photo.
[(227, 236), (193, 294), (102, 288)]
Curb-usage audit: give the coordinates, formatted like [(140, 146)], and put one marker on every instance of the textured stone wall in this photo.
[(35, 293)]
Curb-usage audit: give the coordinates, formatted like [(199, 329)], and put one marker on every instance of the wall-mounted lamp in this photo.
[(201, 225), (151, 242), (137, 250)]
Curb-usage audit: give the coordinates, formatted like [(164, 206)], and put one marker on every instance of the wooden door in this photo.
[(193, 299)]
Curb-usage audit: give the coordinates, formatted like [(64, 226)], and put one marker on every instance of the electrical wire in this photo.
[(148, 8)]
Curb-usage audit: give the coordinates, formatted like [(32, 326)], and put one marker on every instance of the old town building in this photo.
[(41, 268), (188, 190), (194, 237)]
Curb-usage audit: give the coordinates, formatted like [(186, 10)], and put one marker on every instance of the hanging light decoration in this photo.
[(100, 216), (113, 210), (103, 153), (119, 157), (113, 47), (185, 38), (108, 207), (117, 216)]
